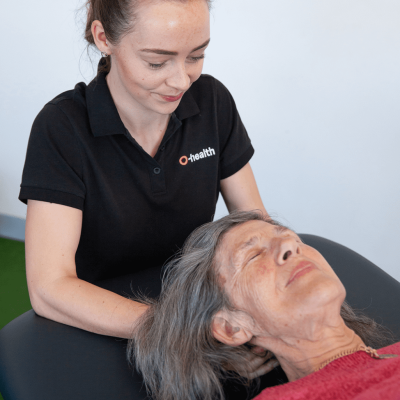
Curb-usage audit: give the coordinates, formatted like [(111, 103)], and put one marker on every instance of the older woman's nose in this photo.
[(288, 247)]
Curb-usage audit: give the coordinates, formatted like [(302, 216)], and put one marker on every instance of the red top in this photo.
[(356, 376)]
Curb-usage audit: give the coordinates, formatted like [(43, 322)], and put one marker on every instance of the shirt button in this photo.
[(162, 148), (156, 170)]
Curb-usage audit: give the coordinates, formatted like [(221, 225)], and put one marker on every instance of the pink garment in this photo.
[(356, 376)]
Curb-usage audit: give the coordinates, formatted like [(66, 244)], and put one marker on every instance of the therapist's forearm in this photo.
[(72, 301), (240, 191)]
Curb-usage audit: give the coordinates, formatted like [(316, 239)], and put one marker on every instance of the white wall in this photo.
[(317, 84)]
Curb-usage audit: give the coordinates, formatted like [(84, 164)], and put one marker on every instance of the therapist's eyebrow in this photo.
[(173, 53)]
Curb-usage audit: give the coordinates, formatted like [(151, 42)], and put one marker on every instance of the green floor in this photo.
[(14, 298)]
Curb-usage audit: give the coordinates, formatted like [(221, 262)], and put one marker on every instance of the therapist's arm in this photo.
[(240, 191), (52, 237)]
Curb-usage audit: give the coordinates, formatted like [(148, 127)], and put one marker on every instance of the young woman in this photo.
[(120, 171)]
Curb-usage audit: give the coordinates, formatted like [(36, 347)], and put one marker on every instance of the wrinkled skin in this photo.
[(137, 80), (293, 313)]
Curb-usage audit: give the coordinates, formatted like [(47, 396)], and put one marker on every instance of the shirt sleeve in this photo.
[(235, 146), (53, 166)]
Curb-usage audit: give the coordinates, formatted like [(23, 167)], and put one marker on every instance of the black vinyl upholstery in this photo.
[(44, 360), (368, 288)]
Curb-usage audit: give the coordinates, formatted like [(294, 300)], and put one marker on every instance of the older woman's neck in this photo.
[(300, 357)]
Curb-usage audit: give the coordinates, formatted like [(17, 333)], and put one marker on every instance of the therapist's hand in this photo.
[(259, 363)]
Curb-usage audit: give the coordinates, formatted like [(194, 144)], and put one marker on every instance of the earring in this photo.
[(104, 54)]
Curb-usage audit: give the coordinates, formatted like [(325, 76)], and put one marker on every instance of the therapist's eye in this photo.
[(195, 59), (192, 60), (156, 66)]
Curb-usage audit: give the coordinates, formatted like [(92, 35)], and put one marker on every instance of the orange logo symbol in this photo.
[(183, 160), (198, 156)]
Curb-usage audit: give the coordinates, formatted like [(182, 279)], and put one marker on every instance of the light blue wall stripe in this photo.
[(12, 227)]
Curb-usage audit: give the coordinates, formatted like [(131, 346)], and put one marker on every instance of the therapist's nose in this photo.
[(288, 248), (179, 80)]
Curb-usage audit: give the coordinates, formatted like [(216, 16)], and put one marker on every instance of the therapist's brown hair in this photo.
[(118, 18)]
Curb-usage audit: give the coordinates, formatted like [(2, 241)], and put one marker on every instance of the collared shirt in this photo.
[(137, 210)]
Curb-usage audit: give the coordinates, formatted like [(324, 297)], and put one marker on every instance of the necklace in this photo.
[(369, 350)]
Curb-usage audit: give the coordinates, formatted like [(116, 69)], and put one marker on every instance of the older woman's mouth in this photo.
[(302, 268)]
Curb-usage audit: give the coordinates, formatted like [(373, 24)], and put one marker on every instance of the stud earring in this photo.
[(104, 54)]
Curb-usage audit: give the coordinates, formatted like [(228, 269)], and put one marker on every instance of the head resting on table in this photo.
[(242, 278)]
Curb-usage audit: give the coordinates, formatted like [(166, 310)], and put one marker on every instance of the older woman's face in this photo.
[(285, 285)]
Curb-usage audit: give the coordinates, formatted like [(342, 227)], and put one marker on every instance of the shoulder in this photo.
[(392, 349), (209, 89), (209, 84), (55, 126), (76, 96), (70, 105)]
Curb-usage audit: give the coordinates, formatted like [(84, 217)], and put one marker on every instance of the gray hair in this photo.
[(172, 344)]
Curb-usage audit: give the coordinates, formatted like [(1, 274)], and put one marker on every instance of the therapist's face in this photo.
[(147, 76), (283, 284)]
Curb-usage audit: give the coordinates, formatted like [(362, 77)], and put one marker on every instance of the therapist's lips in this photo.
[(171, 98), (302, 268)]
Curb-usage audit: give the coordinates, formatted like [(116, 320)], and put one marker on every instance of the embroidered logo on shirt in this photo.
[(194, 157)]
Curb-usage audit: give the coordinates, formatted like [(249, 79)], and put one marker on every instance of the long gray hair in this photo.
[(172, 343)]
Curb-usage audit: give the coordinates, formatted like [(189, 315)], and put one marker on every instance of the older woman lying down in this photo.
[(246, 280)]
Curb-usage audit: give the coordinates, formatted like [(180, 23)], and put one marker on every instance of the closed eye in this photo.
[(193, 60), (259, 253)]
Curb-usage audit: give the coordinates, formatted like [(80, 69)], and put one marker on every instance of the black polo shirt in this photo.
[(137, 210)]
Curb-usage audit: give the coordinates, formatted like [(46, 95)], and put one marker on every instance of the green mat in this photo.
[(14, 297)]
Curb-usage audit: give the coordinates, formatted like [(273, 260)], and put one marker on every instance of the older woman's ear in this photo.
[(228, 330)]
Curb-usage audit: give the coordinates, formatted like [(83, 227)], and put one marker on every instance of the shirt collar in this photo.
[(103, 115)]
